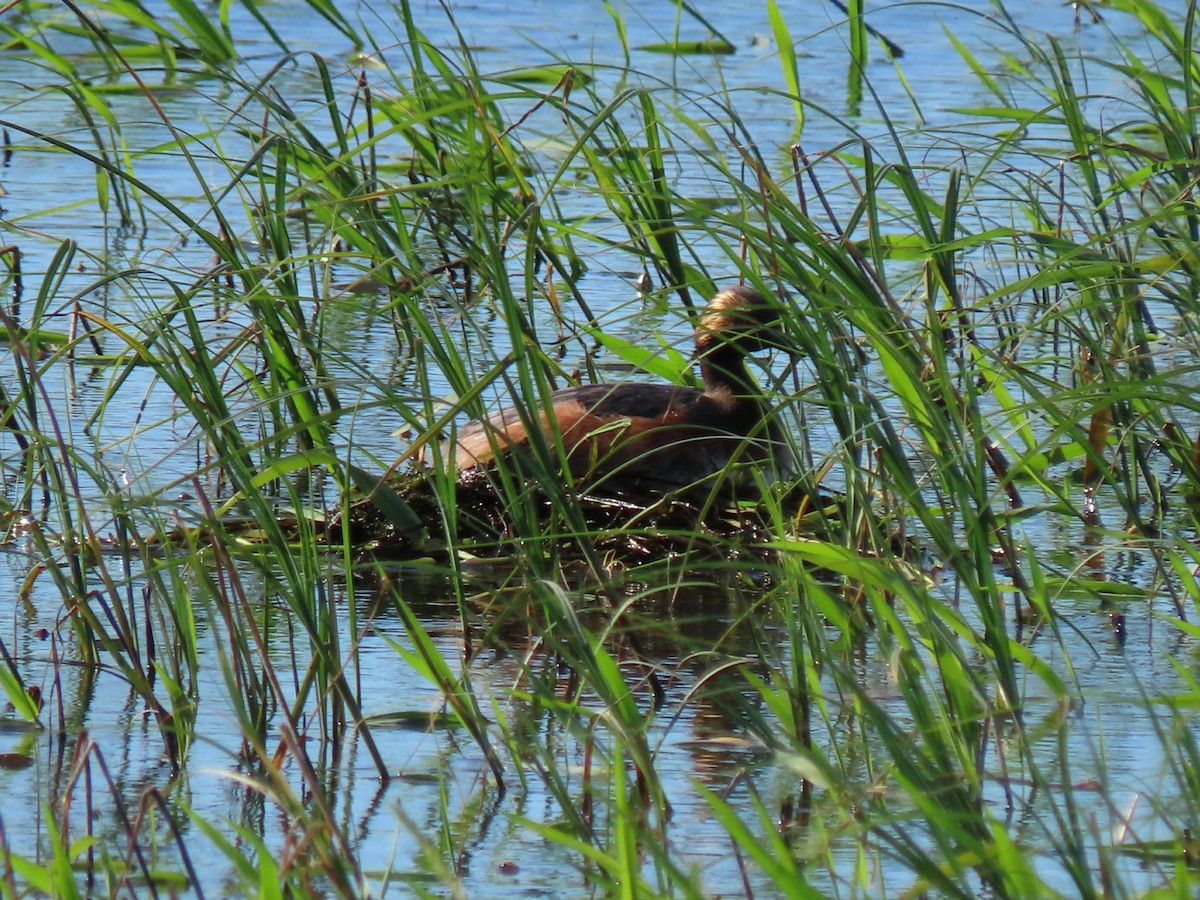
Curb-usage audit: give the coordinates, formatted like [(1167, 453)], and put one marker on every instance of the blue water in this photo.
[(50, 197)]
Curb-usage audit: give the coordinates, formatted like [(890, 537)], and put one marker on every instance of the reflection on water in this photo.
[(708, 731), (695, 634)]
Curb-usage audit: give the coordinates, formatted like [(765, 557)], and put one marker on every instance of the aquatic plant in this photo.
[(880, 661)]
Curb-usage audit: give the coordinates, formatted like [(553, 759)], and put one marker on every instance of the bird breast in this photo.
[(656, 437)]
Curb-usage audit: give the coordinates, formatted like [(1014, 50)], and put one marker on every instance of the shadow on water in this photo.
[(214, 706), (694, 633)]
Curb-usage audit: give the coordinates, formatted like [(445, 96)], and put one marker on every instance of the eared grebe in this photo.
[(657, 437)]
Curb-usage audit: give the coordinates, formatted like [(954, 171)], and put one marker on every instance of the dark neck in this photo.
[(724, 371), (738, 402)]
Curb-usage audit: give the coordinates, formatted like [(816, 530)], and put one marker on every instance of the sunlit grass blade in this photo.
[(787, 59)]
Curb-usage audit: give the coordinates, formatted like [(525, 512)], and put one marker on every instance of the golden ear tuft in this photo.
[(737, 313)]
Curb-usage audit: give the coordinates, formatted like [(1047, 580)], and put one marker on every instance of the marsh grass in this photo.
[(980, 349)]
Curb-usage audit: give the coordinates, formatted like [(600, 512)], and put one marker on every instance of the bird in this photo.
[(634, 437)]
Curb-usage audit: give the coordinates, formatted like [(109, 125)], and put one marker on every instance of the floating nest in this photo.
[(402, 517)]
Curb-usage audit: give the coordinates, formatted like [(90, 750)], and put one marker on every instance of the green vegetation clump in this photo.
[(233, 363)]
